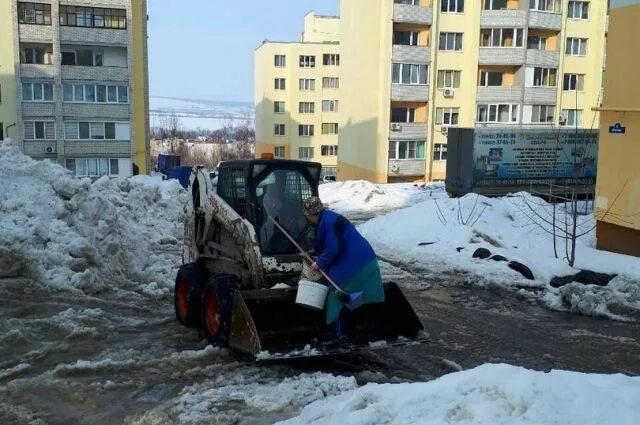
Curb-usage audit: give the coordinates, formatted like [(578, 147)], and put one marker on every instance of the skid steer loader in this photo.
[(236, 262)]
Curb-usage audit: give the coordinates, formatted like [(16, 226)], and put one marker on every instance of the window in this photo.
[(537, 42), (573, 82), (452, 6), (278, 107), (36, 55), (542, 113), (96, 130), (494, 4), (305, 153), (406, 149), (330, 128), (305, 130), (280, 61), (34, 13), (279, 84), (411, 2), (490, 78), (405, 38), (0, 94), (576, 46), (448, 79), (306, 107), (544, 77), (278, 130), (405, 73), (497, 112), (330, 59), (90, 167), (329, 106), (439, 152), (545, 5), (403, 114), (330, 83), (37, 92), (90, 93), (307, 61), (571, 117), (123, 94), (278, 151), (447, 116), (502, 37), (96, 17), (450, 41), (329, 150), (578, 10), (39, 130), (1, 131), (307, 84), (82, 57)]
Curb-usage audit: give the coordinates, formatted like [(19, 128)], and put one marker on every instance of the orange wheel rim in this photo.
[(182, 295), (212, 318)]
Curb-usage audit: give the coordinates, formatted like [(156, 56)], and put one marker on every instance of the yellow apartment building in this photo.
[(414, 68), (618, 184), (296, 95), (74, 83)]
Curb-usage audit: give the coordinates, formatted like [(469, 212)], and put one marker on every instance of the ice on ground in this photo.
[(72, 233), (438, 238), (490, 394)]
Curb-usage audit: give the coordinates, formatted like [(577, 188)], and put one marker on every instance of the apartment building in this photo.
[(73, 83), (296, 95), (413, 68), (618, 186)]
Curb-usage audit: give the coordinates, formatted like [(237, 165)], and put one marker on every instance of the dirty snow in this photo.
[(490, 394)]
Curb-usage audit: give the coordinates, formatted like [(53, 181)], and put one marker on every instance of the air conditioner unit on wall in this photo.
[(396, 127), (448, 92), (50, 149)]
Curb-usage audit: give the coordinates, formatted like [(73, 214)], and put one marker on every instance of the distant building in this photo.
[(296, 95), (74, 83), (618, 184)]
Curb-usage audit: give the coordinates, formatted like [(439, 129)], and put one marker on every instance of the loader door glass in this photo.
[(280, 195)]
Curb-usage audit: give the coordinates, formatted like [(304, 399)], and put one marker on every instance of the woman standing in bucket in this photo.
[(346, 256)]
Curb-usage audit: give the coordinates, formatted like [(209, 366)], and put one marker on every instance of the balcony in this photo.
[(92, 110), (540, 95), (545, 20), (95, 73), (411, 54), (38, 109), (96, 148), (409, 92), (36, 33), (408, 131), (407, 167), (406, 13), (500, 94), (95, 36), (30, 70), (503, 18), (544, 58), (513, 56)]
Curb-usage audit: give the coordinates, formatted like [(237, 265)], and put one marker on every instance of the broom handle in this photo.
[(305, 254)]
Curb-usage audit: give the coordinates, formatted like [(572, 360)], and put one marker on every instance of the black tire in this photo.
[(216, 308), (187, 294)]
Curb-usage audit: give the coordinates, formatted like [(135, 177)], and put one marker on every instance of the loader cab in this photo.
[(257, 189)]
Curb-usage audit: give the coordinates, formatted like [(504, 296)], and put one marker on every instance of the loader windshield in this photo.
[(280, 194)]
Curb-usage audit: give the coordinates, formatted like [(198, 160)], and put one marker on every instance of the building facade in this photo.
[(414, 68), (296, 95), (74, 83), (618, 186)]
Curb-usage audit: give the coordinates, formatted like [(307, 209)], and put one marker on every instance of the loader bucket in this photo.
[(269, 324)]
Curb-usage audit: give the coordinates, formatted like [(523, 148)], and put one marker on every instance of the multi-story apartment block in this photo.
[(296, 95), (73, 81), (413, 68)]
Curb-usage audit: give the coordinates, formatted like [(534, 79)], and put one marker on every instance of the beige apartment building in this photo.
[(74, 83), (296, 95), (413, 68)]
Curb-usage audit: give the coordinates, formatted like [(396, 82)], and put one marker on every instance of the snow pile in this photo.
[(361, 195), (76, 234), (486, 395), (438, 238)]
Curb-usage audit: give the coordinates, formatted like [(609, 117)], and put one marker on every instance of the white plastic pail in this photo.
[(311, 294)]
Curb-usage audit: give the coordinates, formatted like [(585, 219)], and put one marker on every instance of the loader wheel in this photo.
[(187, 295), (217, 302)]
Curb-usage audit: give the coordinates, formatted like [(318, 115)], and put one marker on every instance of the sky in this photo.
[(203, 49)]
